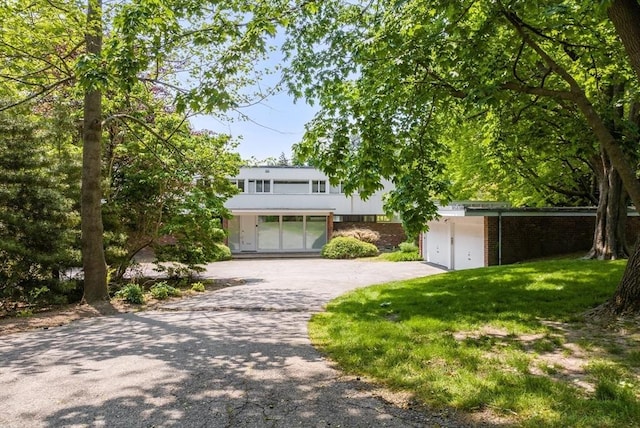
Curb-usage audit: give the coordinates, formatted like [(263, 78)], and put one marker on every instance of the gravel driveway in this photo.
[(238, 357)]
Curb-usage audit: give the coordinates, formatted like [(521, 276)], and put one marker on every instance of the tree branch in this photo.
[(45, 90)]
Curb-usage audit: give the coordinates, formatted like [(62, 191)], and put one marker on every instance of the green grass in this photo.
[(477, 339)]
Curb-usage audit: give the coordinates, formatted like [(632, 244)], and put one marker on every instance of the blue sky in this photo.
[(273, 126)]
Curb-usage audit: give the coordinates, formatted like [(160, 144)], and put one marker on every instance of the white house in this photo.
[(295, 209)]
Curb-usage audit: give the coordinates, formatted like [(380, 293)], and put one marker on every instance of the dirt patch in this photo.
[(565, 352), (49, 317)]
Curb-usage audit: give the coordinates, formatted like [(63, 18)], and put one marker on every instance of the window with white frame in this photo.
[(239, 184), (263, 186), (318, 186)]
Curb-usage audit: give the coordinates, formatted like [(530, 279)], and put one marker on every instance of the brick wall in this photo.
[(391, 234), (525, 238)]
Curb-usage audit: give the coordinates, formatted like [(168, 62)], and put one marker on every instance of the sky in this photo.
[(273, 126)]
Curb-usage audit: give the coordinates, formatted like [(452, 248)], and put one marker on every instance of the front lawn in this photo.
[(505, 341)]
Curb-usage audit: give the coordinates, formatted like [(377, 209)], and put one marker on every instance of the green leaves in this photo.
[(400, 82)]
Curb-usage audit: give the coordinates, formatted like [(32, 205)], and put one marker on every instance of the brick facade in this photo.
[(530, 237), (391, 234)]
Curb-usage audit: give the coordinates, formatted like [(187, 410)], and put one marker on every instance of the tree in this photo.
[(282, 160), (37, 219), (386, 76), (164, 180), (214, 45)]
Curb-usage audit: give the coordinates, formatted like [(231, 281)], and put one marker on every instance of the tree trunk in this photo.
[(93, 261), (625, 16), (609, 239)]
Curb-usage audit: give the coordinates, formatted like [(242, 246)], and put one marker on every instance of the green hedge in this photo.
[(348, 248)]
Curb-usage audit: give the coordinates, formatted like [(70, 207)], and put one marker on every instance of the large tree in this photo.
[(203, 52), (387, 76)]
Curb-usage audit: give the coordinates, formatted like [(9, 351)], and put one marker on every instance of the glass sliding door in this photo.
[(293, 232), (268, 232), (316, 232), (234, 234)]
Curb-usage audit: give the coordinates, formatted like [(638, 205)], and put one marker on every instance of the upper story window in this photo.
[(263, 186), (318, 186), (291, 186), (239, 184)]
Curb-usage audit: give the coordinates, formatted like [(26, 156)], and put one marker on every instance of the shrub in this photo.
[(162, 291), (132, 293), (198, 286), (408, 247), (222, 252), (399, 256), (344, 247), (364, 235)]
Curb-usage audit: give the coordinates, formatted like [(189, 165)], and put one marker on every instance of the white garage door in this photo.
[(438, 243), (468, 243)]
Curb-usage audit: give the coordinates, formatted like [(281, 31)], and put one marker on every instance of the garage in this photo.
[(455, 243)]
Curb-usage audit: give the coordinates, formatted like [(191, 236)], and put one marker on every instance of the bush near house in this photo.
[(364, 235), (408, 247), (345, 247)]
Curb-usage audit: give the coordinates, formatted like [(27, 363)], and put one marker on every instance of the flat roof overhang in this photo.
[(273, 211), (525, 212)]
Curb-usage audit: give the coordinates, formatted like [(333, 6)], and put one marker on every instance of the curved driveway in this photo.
[(238, 357)]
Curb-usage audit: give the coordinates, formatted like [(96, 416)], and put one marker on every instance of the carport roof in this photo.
[(494, 209)]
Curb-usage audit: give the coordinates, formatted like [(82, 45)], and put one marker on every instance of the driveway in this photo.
[(238, 357)]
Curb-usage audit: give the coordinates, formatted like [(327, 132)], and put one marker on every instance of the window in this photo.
[(316, 232), (290, 186), (268, 232), (318, 186), (292, 232), (263, 186), (239, 184)]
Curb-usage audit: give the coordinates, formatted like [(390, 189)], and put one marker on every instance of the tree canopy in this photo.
[(395, 80)]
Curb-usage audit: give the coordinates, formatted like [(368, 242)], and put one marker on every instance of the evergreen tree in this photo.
[(36, 217)]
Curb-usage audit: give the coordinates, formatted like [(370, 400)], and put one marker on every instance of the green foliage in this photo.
[(131, 293), (401, 97), (348, 248), (490, 327), (168, 195), (162, 291), (401, 256), (408, 247), (38, 223), (24, 313), (364, 235), (198, 287)]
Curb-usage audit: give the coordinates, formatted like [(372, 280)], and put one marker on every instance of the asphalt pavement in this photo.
[(237, 357)]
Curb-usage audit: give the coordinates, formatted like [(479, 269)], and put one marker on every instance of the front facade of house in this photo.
[(476, 234), (296, 209)]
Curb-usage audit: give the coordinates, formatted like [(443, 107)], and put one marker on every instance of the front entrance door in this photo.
[(248, 227)]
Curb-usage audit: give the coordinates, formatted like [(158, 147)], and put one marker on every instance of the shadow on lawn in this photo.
[(480, 296), (436, 326)]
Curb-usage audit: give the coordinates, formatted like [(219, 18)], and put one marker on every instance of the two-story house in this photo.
[(295, 209)]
